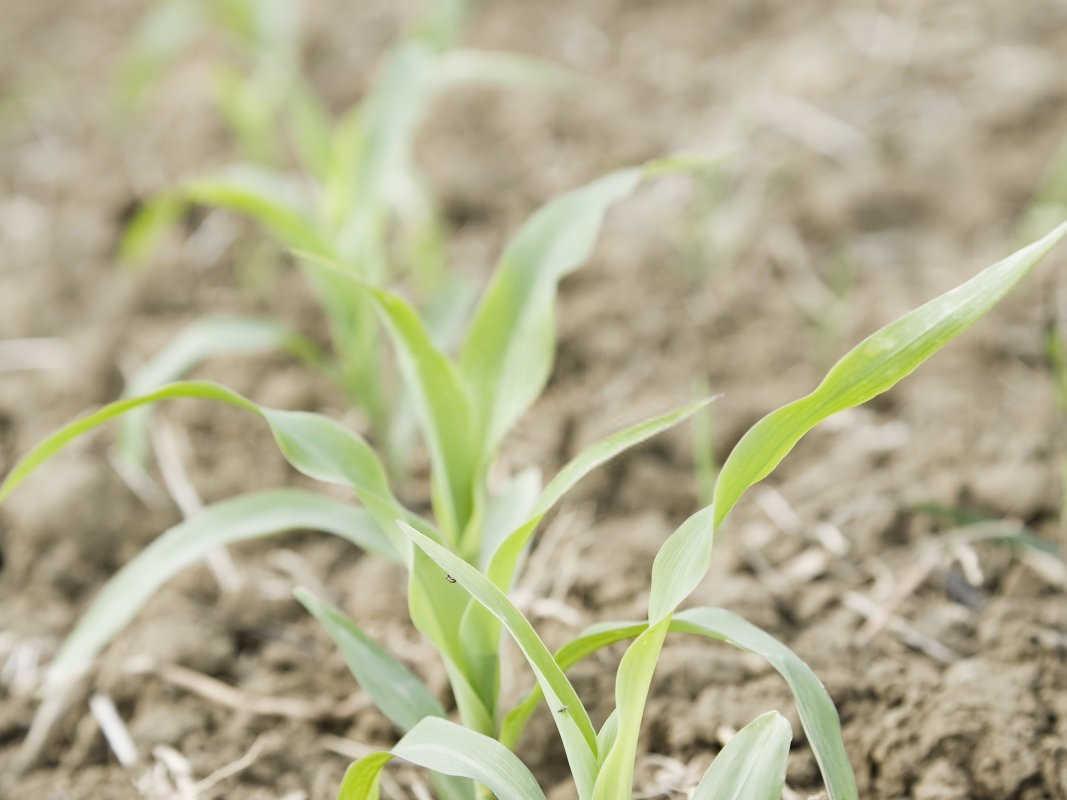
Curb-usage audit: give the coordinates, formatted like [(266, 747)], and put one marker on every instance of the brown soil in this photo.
[(879, 157)]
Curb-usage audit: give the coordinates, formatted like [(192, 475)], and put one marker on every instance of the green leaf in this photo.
[(817, 712), (448, 749), (147, 226), (681, 563), (752, 765), (245, 517), (572, 720), (395, 689), (201, 340), (313, 444), (441, 399), (615, 778), (506, 557), (361, 777), (444, 409), (508, 353), (274, 201), (590, 641), (508, 509), (872, 367)]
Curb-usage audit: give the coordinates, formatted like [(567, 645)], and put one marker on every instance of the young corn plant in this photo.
[(359, 200), (463, 562)]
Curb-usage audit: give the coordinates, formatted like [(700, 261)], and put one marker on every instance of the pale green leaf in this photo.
[(508, 352), (275, 201), (395, 689), (506, 557), (572, 720), (615, 778), (752, 765), (201, 340), (245, 517), (872, 367), (313, 444), (448, 749), (590, 641), (444, 409), (817, 712), (816, 709)]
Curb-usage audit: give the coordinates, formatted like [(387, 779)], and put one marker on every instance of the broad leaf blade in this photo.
[(752, 765), (572, 720), (817, 712), (451, 749), (245, 517), (447, 749), (395, 689)]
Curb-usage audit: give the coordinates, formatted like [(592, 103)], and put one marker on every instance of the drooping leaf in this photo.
[(870, 368), (816, 709), (204, 339), (817, 712), (275, 201), (313, 444), (395, 689), (245, 517), (752, 765), (449, 749), (572, 720)]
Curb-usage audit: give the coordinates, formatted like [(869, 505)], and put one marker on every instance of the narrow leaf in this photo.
[(572, 720), (200, 341), (313, 444), (872, 367), (508, 353), (817, 712), (593, 639), (752, 765), (275, 201), (616, 775), (245, 517), (395, 689), (506, 557)]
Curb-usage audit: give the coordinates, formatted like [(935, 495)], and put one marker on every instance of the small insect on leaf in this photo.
[(450, 578)]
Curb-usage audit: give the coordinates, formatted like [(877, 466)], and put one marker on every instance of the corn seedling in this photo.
[(463, 562), (359, 200)]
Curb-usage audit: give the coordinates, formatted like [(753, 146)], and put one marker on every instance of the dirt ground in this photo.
[(879, 154)]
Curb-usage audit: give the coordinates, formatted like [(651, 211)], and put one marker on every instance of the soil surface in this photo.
[(879, 154)]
